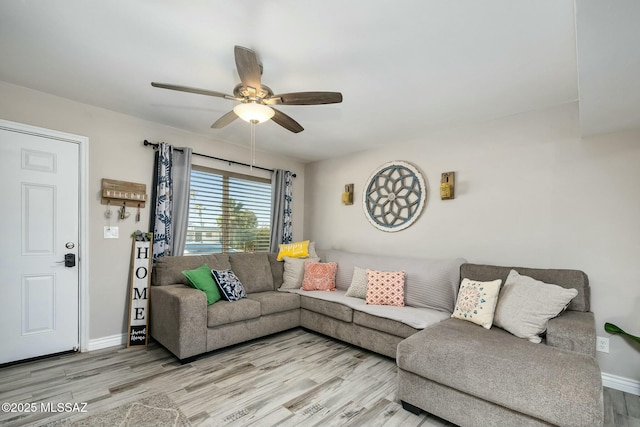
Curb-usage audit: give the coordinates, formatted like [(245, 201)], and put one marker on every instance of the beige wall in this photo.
[(529, 192), (116, 152)]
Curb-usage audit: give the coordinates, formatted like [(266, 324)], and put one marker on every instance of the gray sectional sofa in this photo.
[(454, 369)]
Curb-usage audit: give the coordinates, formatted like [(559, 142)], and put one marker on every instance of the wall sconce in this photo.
[(447, 185), (347, 196)]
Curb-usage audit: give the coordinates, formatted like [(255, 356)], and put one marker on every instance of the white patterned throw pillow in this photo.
[(229, 284), (358, 287), (477, 301)]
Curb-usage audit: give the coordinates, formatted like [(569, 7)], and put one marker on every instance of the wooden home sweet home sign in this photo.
[(141, 256)]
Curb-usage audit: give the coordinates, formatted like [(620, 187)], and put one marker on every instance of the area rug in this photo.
[(157, 410)]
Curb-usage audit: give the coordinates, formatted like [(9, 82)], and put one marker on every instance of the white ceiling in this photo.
[(403, 67)]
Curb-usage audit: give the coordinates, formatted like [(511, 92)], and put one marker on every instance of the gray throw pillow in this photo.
[(358, 286), (525, 305)]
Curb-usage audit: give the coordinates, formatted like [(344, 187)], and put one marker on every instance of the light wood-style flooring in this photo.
[(288, 379)]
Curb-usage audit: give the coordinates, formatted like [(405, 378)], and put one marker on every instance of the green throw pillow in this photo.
[(201, 278)]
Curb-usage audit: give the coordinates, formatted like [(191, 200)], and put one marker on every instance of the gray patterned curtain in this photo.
[(163, 202), (281, 196), (172, 183)]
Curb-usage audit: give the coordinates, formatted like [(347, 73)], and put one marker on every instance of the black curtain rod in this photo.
[(215, 158)]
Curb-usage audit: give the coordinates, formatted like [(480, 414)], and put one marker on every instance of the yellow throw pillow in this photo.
[(294, 250)]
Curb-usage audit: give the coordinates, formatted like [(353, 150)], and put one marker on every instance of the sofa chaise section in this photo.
[(516, 381), (473, 376)]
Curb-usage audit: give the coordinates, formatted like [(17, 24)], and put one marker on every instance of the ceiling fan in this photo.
[(257, 99)]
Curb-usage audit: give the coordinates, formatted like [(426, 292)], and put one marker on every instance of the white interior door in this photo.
[(39, 224)]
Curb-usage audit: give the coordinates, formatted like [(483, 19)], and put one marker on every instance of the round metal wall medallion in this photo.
[(394, 196)]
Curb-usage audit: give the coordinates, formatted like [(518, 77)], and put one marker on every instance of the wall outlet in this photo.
[(602, 344)]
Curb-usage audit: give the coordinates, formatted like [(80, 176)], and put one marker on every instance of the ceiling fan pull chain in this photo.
[(253, 145)]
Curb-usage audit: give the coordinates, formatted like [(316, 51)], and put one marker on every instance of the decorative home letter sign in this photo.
[(139, 300)]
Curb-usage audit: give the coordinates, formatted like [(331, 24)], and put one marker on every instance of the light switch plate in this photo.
[(110, 232)]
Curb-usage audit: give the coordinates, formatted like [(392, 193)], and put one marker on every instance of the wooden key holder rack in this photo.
[(123, 193)]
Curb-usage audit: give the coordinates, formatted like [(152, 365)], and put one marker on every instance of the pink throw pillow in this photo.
[(385, 288), (319, 276)]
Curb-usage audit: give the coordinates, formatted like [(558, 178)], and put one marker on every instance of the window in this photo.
[(228, 212)]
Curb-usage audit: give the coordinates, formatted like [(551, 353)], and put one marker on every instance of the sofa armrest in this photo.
[(178, 319), (573, 330)]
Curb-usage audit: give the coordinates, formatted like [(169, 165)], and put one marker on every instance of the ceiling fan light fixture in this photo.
[(255, 98), (253, 112)]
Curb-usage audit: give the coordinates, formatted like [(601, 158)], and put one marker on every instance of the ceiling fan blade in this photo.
[(307, 98), (224, 120), (248, 67), (286, 122), (192, 90)]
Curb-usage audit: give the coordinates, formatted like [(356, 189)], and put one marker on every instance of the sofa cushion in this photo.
[(538, 380), (416, 317), (230, 286), (275, 302), (431, 283), (253, 270), (389, 326), (477, 301), (202, 279), (526, 305), (168, 270), (575, 279), (225, 312), (327, 308)]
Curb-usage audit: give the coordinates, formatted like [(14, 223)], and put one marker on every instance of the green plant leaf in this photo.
[(613, 329)]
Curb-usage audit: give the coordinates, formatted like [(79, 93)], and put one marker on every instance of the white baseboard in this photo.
[(105, 342), (621, 383)]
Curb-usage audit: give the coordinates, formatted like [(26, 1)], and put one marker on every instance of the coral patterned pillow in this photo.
[(385, 288), (319, 276)]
